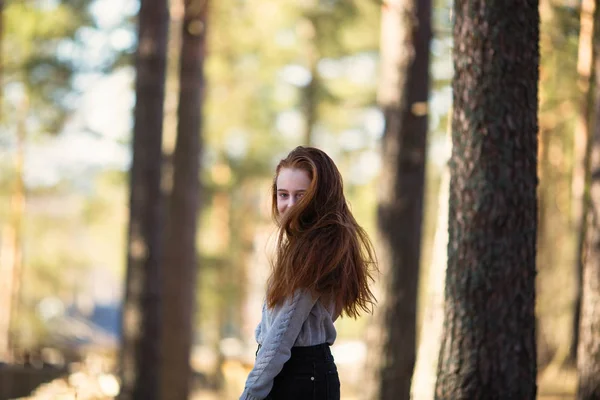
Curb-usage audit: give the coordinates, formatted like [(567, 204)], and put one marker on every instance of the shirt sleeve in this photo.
[(277, 344)]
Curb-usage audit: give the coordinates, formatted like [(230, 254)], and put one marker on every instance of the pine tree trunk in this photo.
[(2, 69), (581, 154), (404, 90), (309, 103), (140, 354), (11, 246), (6, 234), (180, 261), (7, 246), (588, 351), (423, 383), (488, 348)]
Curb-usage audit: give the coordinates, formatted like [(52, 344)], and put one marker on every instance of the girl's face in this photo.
[(292, 184)]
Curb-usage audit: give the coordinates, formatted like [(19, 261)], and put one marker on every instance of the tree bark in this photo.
[(403, 96), (140, 354), (180, 263), (488, 349)]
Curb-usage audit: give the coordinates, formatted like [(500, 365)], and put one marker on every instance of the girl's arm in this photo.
[(277, 345)]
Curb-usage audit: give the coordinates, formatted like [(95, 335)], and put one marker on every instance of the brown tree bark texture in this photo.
[(488, 347)]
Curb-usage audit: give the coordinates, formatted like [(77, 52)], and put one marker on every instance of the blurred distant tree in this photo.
[(588, 352), (140, 354), (180, 261), (403, 96), (322, 29), (581, 146), (559, 106), (488, 347), (424, 377), (11, 250), (320, 35), (1, 46), (39, 99)]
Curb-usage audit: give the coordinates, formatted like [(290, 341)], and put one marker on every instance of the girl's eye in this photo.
[(283, 195), (301, 195)]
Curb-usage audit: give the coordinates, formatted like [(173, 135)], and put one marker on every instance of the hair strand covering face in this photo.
[(320, 246)]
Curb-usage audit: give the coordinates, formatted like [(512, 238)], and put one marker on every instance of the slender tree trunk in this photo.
[(423, 383), (18, 212), (11, 249), (6, 234), (309, 105), (7, 245), (404, 89), (180, 261), (488, 349), (310, 98), (588, 351), (2, 60), (581, 153), (546, 257), (140, 355), (172, 91)]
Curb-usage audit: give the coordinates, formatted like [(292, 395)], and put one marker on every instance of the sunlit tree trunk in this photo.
[(7, 246), (1, 59), (404, 90), (172, 91), (8, 234), (423, 383), (11, 249), (588, 351), (550, 258), (140, 355), (180, 262), (488, 348), (310, 101), (581, 152), (310, 93)]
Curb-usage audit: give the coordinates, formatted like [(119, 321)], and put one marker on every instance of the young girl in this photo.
[(322, 268)]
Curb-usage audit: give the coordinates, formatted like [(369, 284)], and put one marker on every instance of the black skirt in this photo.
[(309, 374)]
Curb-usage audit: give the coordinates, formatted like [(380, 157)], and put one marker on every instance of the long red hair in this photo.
[(320, 246)]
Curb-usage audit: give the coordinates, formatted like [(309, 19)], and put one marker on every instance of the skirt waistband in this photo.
[(320, 351)]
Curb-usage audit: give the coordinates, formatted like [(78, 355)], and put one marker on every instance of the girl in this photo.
[(322, 268)]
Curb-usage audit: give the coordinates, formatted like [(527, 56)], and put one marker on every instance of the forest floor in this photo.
[(553, 384)]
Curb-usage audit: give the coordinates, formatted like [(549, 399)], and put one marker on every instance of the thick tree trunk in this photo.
[(404, 90), (581, 153), (588, 352), (140, 355), (488, 348), (180, 261)]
